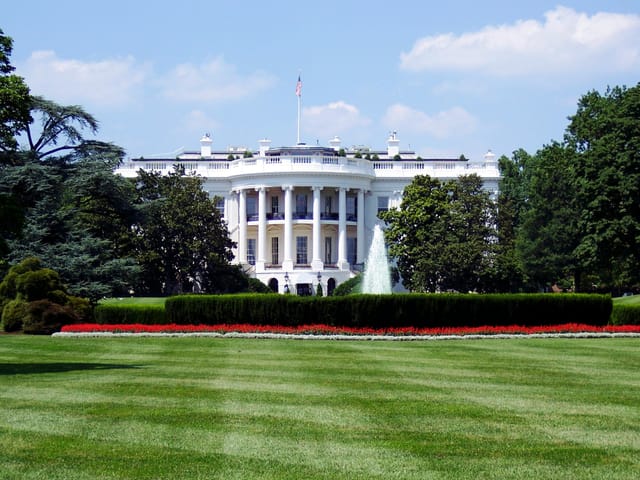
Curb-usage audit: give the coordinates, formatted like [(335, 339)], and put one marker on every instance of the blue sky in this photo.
[(452, 77)]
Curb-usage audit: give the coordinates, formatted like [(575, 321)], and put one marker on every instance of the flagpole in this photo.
[(299, 95), (298, 142)]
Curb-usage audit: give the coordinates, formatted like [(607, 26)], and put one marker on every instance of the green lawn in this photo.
[(134, 301), (628, 300), (197, 408)]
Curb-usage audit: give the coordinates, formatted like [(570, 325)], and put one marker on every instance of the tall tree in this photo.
[(548, 231), (14, 116), (182, 240), (507, 273), (442, 234), (605, 134), (15, 103), (414, 233), (76, 212), (468, 252)]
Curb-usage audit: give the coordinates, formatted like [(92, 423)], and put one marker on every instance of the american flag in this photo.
[(299, 87)]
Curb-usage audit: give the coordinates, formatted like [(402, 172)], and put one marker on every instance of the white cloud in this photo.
[(566, 41), (335, 118), (198, 122), (111, 82), (447, 123), (213, 81)]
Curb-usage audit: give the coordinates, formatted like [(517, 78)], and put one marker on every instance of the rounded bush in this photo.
[(13, 315), (45, 317)]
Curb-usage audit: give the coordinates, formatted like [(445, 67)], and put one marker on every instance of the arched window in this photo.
[(273, 284), (331, 286)]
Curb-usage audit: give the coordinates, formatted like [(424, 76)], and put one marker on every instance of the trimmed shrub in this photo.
[(385, 311), (348, 287), (34, 298), (625, 315), (256, 286), (13, 315), (122, 314), (45, 317), (37, 284)]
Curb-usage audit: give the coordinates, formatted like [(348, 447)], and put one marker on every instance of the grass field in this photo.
[(198, 408), (156, 301), (628, 300)]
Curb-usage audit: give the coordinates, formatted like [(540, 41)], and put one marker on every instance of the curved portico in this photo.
[(301, 230)]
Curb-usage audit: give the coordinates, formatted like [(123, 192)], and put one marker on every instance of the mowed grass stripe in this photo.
[(230, 408)]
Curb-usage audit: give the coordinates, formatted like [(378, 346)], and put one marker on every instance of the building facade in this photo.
[(304, 215)]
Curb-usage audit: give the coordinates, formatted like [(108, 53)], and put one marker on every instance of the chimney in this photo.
[(490, 158), (393, 145), (335, 143), (265, 144), (205, 146)]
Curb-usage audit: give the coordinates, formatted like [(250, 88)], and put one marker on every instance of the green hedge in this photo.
[(126, 314), (398, 310), (625, 315)]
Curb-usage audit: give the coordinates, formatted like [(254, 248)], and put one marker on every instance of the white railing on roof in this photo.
[(315, 163)]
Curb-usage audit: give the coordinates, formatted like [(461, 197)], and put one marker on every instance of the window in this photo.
[(301, 250), (274, 251), (251, 251), (275, 205), (327, 204), (220, 206), (301, 205), (383, 204), (252, 208), (352, 250), (352, 208), (327, 250)]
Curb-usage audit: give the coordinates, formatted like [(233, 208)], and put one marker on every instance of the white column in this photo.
[(342, 228), (262, 228), (360, 228), (287, 261), (316, 262), (242, 226)]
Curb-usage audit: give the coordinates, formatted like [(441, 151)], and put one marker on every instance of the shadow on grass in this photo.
[(56, 367)]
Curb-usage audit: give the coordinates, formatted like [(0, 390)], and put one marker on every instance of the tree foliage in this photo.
[(34, 299), (15, 102), (575, 205), (548, 233), (605, 134), (442, 235), (76, 213), (181, 240)]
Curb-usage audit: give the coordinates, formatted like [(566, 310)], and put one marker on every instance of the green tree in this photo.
[(468, 250), (442, 234), (415, 231), (182, 241), (507, 272), (15, 103), (76, 212), (605, 134), (548, 232)]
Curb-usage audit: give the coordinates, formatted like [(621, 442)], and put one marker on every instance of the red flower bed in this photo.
[(329, 330)]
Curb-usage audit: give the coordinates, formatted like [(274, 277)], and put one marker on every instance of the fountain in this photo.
[(377, 276)]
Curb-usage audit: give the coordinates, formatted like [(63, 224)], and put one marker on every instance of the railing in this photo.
[(350, 217), (312, 164)]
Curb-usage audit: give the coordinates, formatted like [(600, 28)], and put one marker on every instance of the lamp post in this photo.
[(319, 289), (286, 282)]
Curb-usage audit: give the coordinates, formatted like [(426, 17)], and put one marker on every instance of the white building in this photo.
[(305, 214)]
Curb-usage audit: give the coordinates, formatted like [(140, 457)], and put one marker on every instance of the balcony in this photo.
[(350, 217), (305, 164)]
